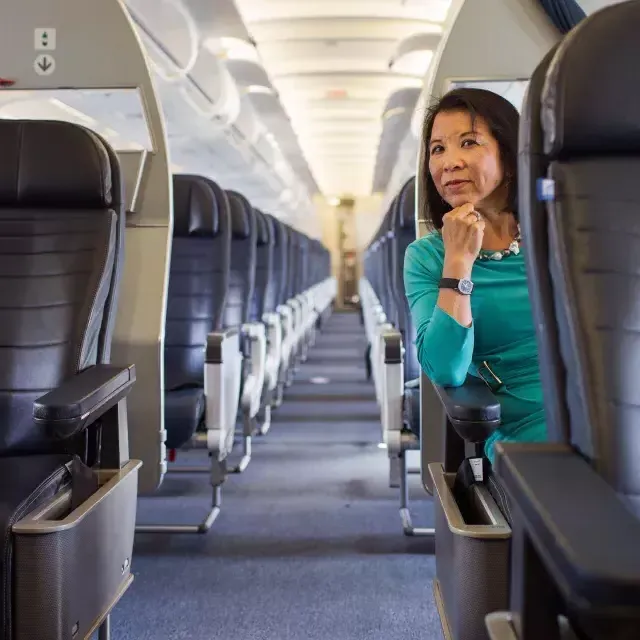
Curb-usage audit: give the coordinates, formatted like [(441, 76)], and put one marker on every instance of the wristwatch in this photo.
[(463, 286)]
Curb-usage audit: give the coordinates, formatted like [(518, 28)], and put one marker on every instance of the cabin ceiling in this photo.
[(322, 75)]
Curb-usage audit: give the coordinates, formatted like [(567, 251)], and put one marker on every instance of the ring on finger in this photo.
[(477, 215)]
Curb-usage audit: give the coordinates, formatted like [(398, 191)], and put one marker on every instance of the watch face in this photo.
[(465, 286)]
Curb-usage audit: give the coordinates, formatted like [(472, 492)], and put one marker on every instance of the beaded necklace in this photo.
[(512, 249)]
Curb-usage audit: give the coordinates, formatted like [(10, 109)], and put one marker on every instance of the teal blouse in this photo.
[(502, 335)]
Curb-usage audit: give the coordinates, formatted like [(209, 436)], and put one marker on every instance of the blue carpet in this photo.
[(308, 545)]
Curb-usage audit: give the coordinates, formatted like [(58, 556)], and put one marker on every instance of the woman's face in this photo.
[(464, 161)]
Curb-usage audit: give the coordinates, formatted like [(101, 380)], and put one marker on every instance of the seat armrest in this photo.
[(215, 341), (584, 534), (472, 409), (81, 400), (393, 347)]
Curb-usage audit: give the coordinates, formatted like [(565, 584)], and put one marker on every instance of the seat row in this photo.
[(563, 561), (246, 293), (253, 290), (391, 356)]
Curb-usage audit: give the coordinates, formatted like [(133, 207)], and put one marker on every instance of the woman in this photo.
[(466, 281)]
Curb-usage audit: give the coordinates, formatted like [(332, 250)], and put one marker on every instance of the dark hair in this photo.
[(501, 117)]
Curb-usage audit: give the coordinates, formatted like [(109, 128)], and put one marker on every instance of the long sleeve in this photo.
[(444, 346)]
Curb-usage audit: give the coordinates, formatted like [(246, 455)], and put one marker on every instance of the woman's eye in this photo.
[(436, 149), (468, 142)]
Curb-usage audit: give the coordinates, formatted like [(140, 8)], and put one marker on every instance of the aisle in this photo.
[(308, 545)]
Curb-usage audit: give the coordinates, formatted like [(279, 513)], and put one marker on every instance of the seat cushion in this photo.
[(183, 411), (26, 483)]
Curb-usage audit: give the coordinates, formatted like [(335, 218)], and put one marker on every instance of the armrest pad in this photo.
[(215, 340), (585, 535), (472, 409), (393, 348), (81, 400)]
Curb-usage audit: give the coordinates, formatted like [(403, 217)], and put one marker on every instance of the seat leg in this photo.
[(104, 632), (218, 472), (405, 514), (250, 428), (266, 422), (278, 396)]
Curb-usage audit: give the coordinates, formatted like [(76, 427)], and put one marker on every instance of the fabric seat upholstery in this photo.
[(198, 280), (61, 248)]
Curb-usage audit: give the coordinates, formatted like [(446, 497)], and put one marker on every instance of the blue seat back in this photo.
[(198, 277), (242, 275), (403, 223), (262, 300), (582, 239), (61, 232), (280, 262)]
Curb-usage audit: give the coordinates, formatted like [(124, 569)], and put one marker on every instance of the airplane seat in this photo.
[(198, 280), (389, 295), (371, 309), (242, 282), (472, 413), (401, 369), (67, 504), (576, 499), (284, 312), (293, 302), (381, 310), (263, 310), (325, 283), (304, 296)]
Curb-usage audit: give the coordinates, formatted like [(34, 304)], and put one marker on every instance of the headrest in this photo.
[(196, 207), (276, 230), (406, 206), (591, 97), (241, 215), (530, 134), (53, 165), (265, 229)]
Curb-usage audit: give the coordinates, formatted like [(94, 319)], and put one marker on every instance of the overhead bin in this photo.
[(204, 107)]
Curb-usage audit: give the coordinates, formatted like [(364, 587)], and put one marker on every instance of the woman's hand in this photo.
[(462, 233)]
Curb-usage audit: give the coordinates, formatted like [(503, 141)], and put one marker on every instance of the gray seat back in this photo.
[(262, 300), (198, 277), (280, 260), (61, 232), (293, 262), (403, 226), (243, 261), (585, 235)]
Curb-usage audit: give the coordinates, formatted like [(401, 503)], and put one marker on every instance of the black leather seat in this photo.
[(389, 300), (280, 261), (294, 258), (242, 277), (577, 499), (264, 286), (198, 282), (61, 252), (403, 226)]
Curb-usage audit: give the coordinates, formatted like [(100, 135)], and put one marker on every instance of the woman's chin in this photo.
[(457, 200)]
